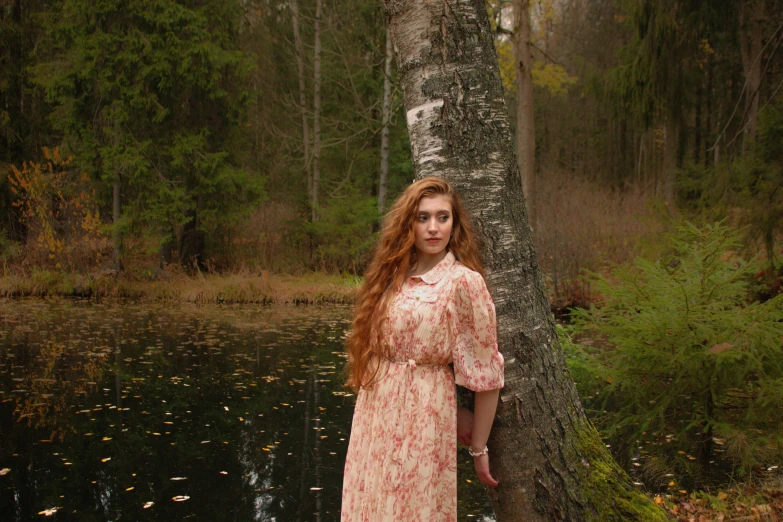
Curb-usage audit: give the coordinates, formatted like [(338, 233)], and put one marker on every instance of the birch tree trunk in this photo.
[(387, 69), (550, 461), (299, 51), (526, 137), (316, 109)]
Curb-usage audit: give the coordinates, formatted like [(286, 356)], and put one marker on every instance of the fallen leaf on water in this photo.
[(180, 498), (316, 489), (104, 439), (107, 459), (48, 512), (148, 505), (179, 478), (224, 472), (129, 489), (4, 471)]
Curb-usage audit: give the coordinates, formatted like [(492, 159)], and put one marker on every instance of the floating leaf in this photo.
[(4, 471), (180, 498), (148, 504), (48, 512), (179, 478), (107, 459)]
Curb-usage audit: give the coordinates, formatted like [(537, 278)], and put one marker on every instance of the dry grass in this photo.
[(585, 226), (177, 286)]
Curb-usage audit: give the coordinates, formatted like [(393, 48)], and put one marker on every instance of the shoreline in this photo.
[(260, 288)]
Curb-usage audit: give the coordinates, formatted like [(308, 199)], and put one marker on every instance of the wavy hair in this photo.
[(392, 259)]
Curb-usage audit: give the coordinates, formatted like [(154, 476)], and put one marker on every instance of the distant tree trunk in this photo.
[(298, 50), (316, 109), (191, 244), (671, 143), (551, 462), (751, 17), (116, 235), (697, 124), (387, 69), (708, 123), (526, 137)]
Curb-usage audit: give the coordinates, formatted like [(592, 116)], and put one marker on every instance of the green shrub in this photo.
[(691, 368)]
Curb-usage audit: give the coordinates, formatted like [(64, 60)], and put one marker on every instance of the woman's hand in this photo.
[(464, 426), (482, 470)]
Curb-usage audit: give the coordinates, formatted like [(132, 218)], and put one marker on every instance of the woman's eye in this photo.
[(443, 219)]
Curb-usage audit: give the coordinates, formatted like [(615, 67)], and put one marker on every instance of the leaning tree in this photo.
[(551, 462)]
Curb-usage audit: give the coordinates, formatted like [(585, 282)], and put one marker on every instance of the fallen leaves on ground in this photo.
[(740, 504)]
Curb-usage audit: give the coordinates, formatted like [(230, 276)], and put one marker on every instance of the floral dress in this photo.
[(402, 463)]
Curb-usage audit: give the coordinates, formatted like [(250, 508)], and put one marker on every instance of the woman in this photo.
[(423, 305)]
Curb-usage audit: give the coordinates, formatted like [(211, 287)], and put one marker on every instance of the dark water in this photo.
[(147, 412)]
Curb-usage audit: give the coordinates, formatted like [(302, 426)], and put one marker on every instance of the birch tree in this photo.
[(550, 461)]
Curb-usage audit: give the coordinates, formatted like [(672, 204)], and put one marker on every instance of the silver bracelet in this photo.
[(479, 453)]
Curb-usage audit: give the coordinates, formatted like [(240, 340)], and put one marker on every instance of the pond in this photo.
[(124, 411)]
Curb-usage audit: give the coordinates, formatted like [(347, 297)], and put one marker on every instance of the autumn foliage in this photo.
[(57, 205)]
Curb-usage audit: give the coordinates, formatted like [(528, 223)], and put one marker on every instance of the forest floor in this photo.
[(733, 504)]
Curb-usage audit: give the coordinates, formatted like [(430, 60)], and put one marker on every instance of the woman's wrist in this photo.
[(478, 453)]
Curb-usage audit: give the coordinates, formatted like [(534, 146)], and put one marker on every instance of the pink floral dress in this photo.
[(402, 463)]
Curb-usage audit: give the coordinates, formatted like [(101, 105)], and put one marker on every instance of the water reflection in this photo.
[(139, 412)]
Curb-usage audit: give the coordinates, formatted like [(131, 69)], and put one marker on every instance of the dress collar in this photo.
[(437, 272)]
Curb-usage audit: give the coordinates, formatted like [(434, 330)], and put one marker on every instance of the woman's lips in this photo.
[(433, 240)]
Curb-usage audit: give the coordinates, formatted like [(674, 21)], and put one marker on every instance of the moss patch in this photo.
[(608, 490)]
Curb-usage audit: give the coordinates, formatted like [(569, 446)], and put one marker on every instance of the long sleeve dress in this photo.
[(401, 463)]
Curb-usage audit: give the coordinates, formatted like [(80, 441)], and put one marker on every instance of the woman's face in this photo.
[(433, 225)]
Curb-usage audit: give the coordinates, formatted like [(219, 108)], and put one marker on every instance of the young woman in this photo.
[(423, 306)]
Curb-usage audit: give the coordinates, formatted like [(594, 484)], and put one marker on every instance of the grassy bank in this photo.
[(261, 287)]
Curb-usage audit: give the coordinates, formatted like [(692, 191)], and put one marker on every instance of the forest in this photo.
[(225, 145)]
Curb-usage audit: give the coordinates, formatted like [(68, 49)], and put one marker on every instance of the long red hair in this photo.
[(392, 260)]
